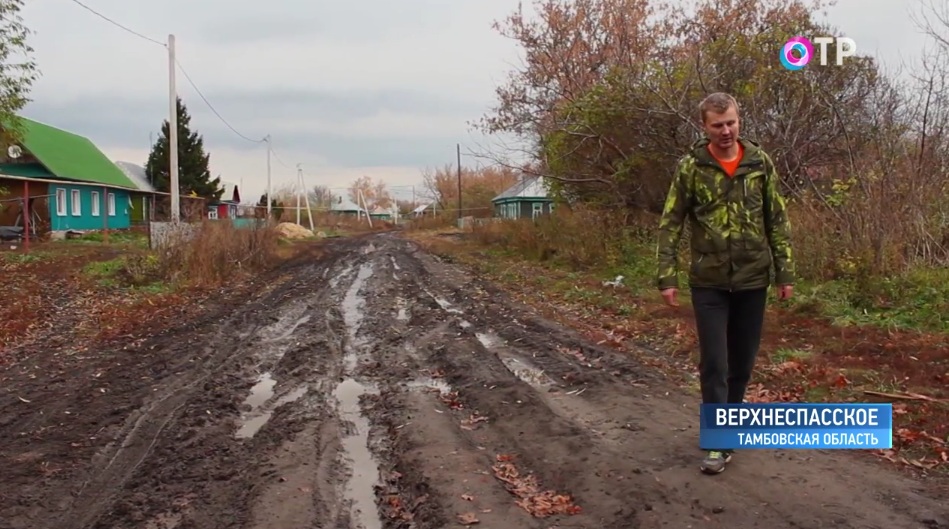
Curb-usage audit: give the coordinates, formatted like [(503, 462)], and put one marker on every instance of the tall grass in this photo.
[(432, 222), (214, 254), (582, 238)]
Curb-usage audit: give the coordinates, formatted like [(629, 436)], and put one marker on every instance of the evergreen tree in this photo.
[(276, 206), (193, 173)]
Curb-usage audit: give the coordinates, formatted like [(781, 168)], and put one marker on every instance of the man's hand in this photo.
[(669, 294), (785, 291)]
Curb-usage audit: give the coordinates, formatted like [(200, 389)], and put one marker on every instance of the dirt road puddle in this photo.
[(261, 392), (525, 371), (352, 316), (255, 421), (520, 367), (364, 469), (444, 304), (489, 341)]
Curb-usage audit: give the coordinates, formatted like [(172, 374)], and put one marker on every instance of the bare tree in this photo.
[(375, 194), (321, 196)]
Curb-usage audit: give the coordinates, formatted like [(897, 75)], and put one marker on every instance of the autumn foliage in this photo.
[(607, 101), (478, 188)]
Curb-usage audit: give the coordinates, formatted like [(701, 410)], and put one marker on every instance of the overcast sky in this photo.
[(380, 87)]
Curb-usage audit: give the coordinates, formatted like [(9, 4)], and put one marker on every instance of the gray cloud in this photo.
[(317, 104), (299, 121), (345, 22)]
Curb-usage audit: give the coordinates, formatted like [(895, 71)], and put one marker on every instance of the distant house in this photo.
[(227, 206), (344, 206), (527, 199), (140, 203), (381, 213), (420, 210), (71, 184)]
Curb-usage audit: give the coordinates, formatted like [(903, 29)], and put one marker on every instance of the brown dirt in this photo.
[(414, 372)]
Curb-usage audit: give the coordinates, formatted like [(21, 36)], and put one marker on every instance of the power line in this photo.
[(177, 62), (274, 153), (216, 113), (113, 22), (193, 84)]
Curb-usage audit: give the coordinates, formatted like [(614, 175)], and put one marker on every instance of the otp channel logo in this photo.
[(796, 53)]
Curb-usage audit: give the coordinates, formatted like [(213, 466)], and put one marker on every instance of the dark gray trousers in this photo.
[(729, 328)]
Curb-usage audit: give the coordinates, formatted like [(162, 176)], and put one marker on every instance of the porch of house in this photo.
[(12, 206)]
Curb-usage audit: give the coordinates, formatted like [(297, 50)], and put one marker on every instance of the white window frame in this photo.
[(61, 202), (95, 203), (111, 204), (76, 202), (537, 209)]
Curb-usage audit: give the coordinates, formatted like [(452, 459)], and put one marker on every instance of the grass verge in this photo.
[(106, 291)]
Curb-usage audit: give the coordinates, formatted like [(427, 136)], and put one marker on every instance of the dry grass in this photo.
[(581, 238), (431, 222), (216, 253)]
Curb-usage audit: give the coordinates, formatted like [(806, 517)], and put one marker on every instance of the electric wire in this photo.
[(117, 24), (177, 63)]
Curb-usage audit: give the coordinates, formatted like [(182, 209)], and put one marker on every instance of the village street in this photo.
[(370, 359)]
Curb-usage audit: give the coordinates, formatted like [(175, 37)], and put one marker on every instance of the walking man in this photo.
[(728, 188)]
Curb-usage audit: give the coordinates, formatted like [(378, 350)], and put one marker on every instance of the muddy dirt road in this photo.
[(375, 386)]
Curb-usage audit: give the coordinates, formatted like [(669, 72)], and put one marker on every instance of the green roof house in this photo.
[(72, 185)]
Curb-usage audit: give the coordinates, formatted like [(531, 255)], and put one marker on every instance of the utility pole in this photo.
[(299, 190), (173, 133), (269, 190), (458, 145), (306, 197)]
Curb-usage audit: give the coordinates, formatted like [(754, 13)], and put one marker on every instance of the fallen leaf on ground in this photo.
[(468, 518), (540, 504)]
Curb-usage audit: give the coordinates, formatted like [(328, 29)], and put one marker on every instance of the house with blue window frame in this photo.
[(527, 199), (71, 184)]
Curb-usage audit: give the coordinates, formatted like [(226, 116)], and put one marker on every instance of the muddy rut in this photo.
[(379, 387)]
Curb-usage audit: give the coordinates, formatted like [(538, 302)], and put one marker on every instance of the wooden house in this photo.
[(71, 184), (526, 199)]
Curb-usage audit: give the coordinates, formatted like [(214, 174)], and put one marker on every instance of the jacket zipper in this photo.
[(731, 277)]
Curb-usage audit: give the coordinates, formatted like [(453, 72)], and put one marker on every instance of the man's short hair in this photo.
[(718, 102)]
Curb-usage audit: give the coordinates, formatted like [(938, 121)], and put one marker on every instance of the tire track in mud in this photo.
[(589, 422), (179, 460), (451, 451)]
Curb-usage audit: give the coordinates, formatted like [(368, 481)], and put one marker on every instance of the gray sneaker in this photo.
[(715, 460)]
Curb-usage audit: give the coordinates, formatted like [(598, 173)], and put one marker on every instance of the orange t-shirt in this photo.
[(730, 166)]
